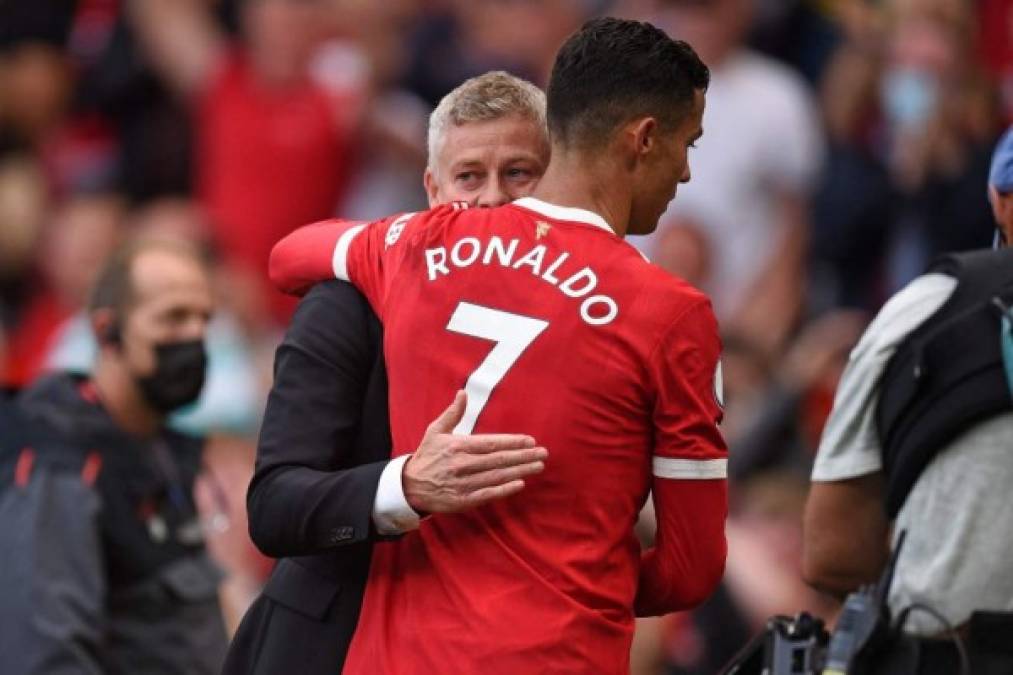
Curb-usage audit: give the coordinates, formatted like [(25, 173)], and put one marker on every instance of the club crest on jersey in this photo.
[(541, 229), (395, 230)]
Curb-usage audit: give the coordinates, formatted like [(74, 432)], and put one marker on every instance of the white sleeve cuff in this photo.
[(391, 512), (692, 469), (339, 258)]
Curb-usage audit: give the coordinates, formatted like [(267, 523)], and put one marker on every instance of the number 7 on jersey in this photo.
[(512, 334)]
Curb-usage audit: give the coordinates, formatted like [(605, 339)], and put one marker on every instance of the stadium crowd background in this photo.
[(846, 143)]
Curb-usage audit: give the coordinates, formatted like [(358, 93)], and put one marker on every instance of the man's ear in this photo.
[(105, 325), (645, 134), (432, 188)]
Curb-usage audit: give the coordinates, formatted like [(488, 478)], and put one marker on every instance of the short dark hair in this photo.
[(114, 286), (613, 70)]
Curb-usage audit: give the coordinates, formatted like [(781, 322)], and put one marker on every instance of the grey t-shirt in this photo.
[(958, 517)]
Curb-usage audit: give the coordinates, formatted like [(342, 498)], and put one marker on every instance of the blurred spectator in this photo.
[(751, 172), (233, 396), (23, 203), (780, 425), (35, 87), (75, 244), (48, 109), (105, 567), (464, 38), (684, 250), (275, 115), (220, 496), (798, 32), (911, 122), (996, 23), (118, 90)]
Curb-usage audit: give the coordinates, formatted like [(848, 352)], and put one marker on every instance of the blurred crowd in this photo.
[(846, 144)]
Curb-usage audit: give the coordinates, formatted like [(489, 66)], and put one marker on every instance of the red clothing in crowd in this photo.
[(997, 48), (559, 329), (31, 340), (269, 160)]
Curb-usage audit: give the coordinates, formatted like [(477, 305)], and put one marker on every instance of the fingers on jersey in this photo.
[(487, 443), (450, 473), (490, 494), (504, 476), (466, 464), (444, 476)]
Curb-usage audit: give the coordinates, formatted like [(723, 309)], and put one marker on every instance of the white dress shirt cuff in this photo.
[(391, 512)]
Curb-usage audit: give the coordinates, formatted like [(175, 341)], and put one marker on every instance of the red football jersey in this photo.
[(559, 329)]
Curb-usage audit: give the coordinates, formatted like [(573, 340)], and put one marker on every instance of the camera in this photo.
[(787, 646), (802, 645)]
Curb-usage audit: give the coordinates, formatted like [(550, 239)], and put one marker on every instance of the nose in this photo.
[(493, 193), (685, 174)]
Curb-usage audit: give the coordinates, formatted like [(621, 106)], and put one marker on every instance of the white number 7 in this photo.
[(512, 334)]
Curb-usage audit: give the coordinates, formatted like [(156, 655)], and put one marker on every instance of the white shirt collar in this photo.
[(567, 213)]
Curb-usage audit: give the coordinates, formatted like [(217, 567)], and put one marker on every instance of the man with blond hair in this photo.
[(325, 487)]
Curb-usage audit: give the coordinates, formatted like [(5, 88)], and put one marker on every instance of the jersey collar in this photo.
[(566, 213)]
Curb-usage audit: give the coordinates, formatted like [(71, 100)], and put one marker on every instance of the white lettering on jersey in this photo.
[(585, 274), (495, 247), (611, 310), (436, 261), (532, 258), (455, 253), (595, 310), (553, 267)]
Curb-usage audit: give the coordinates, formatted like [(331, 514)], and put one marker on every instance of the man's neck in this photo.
[(122, 400), (573, 179)]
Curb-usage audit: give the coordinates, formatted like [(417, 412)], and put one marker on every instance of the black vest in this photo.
[(948, 373)]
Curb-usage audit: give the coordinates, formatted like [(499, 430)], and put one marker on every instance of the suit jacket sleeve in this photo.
[(311, 491)]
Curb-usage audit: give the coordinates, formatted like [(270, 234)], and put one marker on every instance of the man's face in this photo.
[(1002, 210), (663, 168), (172, 303), (487, 163)]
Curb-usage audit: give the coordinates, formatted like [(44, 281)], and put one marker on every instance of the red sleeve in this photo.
[(339, 249), (306, 256), (690, 467)]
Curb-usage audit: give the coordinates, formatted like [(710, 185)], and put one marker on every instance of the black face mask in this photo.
[(179, 375)]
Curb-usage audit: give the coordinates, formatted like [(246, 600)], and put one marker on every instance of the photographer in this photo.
[(920, 440)]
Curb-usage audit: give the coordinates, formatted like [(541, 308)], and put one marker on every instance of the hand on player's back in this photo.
[(450, 473)]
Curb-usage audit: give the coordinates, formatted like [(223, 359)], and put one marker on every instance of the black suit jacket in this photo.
[(324, 442)]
